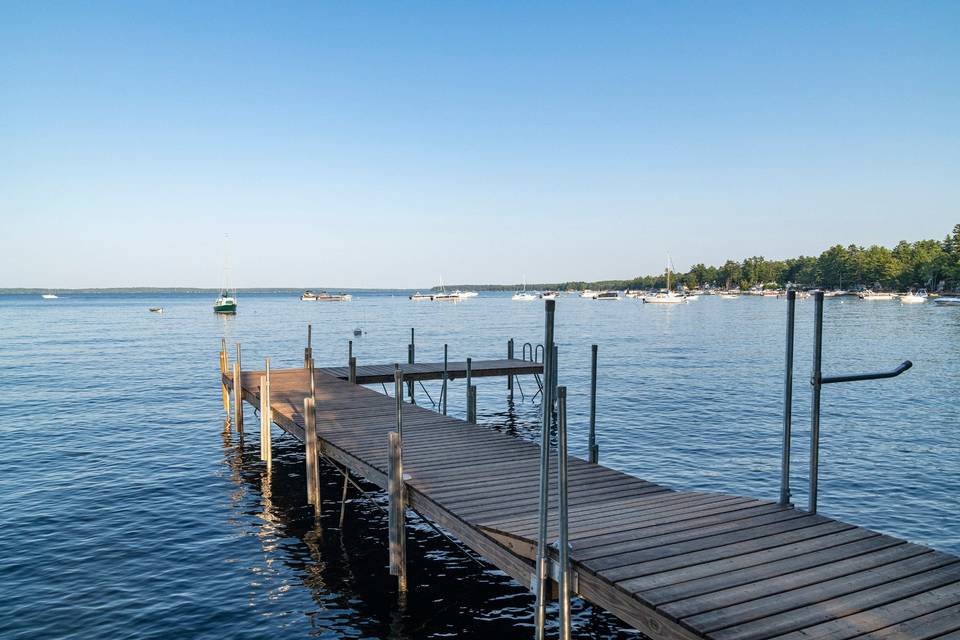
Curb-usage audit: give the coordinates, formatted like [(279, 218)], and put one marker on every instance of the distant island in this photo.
[(934, 264)]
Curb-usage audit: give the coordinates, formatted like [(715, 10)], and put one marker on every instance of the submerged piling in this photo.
[(238, 393), (312, 454)]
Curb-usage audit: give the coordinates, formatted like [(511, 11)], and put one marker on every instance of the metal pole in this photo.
[(398, 392), (411, 358), (787, 402), (540, 576), (510, 375), (352, 375), (445, 378), (556, 377), (563, 541), (397, 507), (469, 383), (815, 382), (349, 350), (593, 451)]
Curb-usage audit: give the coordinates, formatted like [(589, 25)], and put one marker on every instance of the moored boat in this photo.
[(421, 297), (156, 309), (869, 294), (912, 297), (947, 301), (550, 295), (323, 296), (608, 295), (226, 303), (49, 296)]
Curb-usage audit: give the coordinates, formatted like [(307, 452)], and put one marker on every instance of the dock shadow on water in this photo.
[(453, 592)]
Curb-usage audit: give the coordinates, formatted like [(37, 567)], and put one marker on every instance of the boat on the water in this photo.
[(523, 295), (323, 296), (634, 293), (869, 294), (912, 297), (550, 295), (665, 296), (49, 296), (226, 303), (608, 295), (947, 301), (156, 309), (465, 294), (729, 295), (589, 294), (421, 297)]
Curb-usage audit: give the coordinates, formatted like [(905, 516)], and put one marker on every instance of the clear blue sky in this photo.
[(381, 145)]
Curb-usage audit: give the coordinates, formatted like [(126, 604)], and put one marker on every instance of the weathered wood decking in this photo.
[(673, 564)]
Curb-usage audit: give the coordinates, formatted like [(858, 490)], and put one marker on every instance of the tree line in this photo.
[(934, 264)]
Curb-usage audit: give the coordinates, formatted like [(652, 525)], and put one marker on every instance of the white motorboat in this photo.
[(912, 297), (156, 309), (608, 295), (550, 295), (634, 293), (323, 296), (443, 296), (49, 296), (875, 295), (466, 294), (729, 296), (421, 297), (589, 294), (947, 301)]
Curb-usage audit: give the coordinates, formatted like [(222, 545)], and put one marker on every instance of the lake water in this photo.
[(128, 512)]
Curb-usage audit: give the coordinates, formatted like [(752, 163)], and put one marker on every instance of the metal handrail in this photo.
[(856, 377), (817, 380)]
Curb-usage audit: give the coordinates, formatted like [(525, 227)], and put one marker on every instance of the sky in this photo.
[(365, 144)]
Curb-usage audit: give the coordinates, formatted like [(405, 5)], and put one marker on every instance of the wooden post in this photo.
[(266, 418), (395, 490), (352, 376), (445, 380), (308, 351), (472, 403), (349, 350), (237, 394), (224, 368), (312, 451), (312, 381)]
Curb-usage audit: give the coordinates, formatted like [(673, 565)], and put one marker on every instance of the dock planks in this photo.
[(673, 564)]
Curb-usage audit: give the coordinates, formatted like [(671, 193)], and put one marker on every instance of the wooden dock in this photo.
[(672, 564)]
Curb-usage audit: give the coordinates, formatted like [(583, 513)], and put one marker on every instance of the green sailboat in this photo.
[(226, 302)]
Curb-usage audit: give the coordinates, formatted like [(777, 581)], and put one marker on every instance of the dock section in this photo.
[(672, 564)]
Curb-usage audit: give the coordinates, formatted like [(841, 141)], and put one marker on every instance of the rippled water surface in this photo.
[(129, 512)]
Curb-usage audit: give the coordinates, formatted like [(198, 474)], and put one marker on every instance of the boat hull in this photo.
[(230, 308)]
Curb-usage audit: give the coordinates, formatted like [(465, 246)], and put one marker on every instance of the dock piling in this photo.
[(312, 454), (815, 382), (349, 350), (593, 450), (238, 393), (446, 376), (397, 508), (787, 401), (398, 393), (563, 542), (308, 350), (411, 358), (541, 567), (266, 417), (472, 403), (224, 368), (510, 376), (352, 378)]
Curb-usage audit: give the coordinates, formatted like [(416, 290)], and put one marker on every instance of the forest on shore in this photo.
[(934, 264)]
